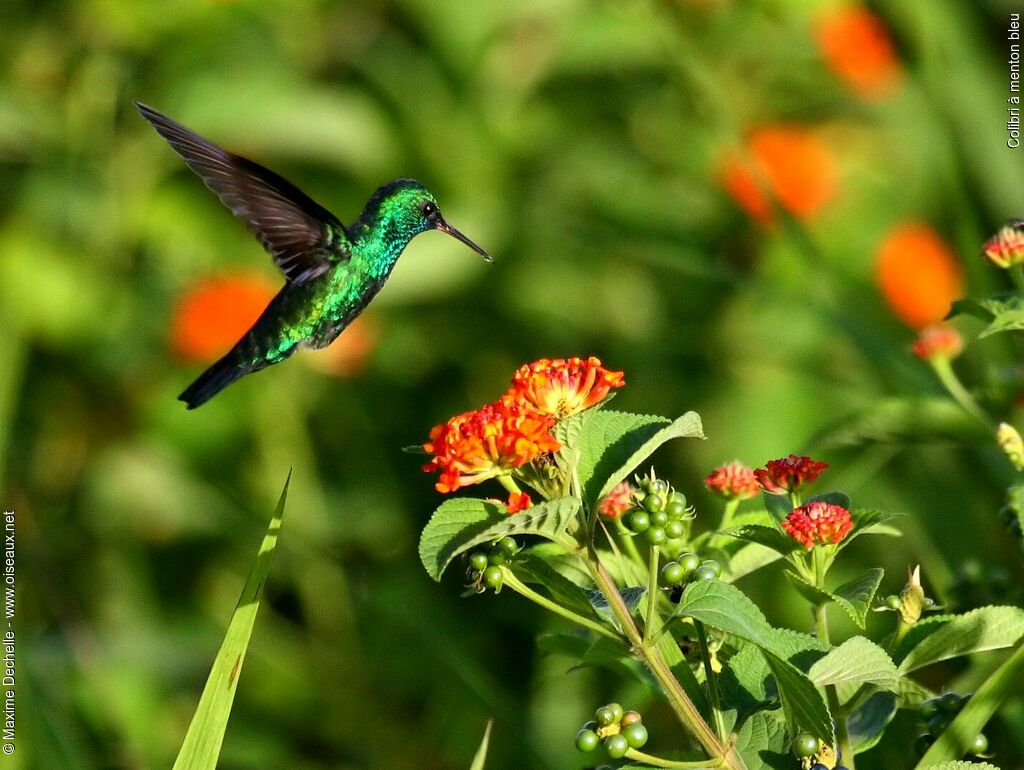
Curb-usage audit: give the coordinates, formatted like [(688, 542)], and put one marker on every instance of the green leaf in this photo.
[(961, 765), (463, 523), (749, 558), (727, 608), (808, 590), (761, 742), (779, 506), (631, 596), (832, 498), (979, 709), (857, 596), (803, 703), (481, 753), (531, 568), (770, 537), (950, 636), (201, 747), (867, 521), (1002, 312), (856, 661), (866, 725)]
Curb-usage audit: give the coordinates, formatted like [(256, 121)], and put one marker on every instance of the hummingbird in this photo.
[(332, 271)]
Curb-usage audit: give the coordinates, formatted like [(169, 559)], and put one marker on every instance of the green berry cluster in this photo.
[(619, 730), (815, 754), (660, 512), (485, 566), (689, 568), (936, 714)]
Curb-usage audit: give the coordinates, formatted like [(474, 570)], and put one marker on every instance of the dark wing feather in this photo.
[(304, 238)]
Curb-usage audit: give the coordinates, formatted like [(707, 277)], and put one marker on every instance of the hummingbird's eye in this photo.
[(429, 210)]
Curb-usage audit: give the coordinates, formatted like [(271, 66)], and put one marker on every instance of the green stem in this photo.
[(510, 485), (944, 371), (711, 678), (684, 708), (821, 622), (842, 734), (727, 514), (649, 759), (509, 579), (652, 592)]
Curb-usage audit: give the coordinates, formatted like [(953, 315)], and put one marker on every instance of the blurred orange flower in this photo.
[(794, 166), (856, 46), (214, 313), (918, 274)]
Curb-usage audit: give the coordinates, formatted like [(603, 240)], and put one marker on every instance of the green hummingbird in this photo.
[(332, 271)]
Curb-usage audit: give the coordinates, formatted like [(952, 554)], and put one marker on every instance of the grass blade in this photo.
[(201, 747), (481, 753)]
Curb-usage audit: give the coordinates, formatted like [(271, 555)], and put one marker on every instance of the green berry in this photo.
[(644, 484), (635, 735), (497, 557), (805, 745), (605, 716), (928, 709), (672, 574), (892, 602), (587, 740), (630, 717), (478, 561), (659, 486), (616, 746), (508, 546), (639, 496), (675, 529), (654, 503), (639, 521), (616, 711), (950, 703), (704, 572), (677, 497), (978, 746), (712, 565), (675, 510), (659, 519), (922, 743), (656, 535), (690, 562), (492, 577)]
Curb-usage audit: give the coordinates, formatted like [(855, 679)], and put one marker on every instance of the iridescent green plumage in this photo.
[(333, 272)]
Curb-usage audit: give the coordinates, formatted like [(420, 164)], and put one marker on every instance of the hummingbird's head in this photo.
[(405, 208)]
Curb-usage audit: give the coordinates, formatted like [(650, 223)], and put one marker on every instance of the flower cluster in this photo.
[(733, 481), (780, 477), (818, 523), (938, 341), (497, 438), (618, 501), (1006, 248)]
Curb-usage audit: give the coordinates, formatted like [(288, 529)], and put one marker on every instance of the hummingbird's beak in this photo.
[(444, 227)]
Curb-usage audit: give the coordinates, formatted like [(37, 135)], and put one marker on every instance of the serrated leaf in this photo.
[(867, 521), (806, 589), (803, 703), (770, 537), (463, 523), (857, 595), (866, 725), (978, 710), (481, 753), (749, 558), (856, 661), (950, 636), (779, 506), (631, 596), (725, 607), (201, 748), (1002, 312), (531, 568), (687, 426), (761, 742)]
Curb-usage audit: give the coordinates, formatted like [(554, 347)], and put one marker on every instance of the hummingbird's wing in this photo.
[(304, 238)]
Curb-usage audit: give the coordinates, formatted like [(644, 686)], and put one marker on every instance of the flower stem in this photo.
[(509, 579), (711, 678), (728, 513), (653, 761), (842, 735), (944, 371), (652, 593), (688, 714), (510, 485), (821, 622)]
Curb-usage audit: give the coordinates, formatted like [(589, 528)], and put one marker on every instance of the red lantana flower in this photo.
[(518, 501), (564, 386), (1006, 248), (938, 341), (480, 445), (733, 481), (616, 502), (818, 524), (780, 477)]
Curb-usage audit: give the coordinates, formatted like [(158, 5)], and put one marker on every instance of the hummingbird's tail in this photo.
[(214, 380)]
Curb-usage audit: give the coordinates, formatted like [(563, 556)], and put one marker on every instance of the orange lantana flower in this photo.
[(480, 445), (213, 314), (918, 274), (733, 481), (856, 46), (1006, 248), (937, 341), (818, 523), (560, 387), (787, 163)]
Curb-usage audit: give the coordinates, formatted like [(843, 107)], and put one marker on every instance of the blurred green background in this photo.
[(581, 143)]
